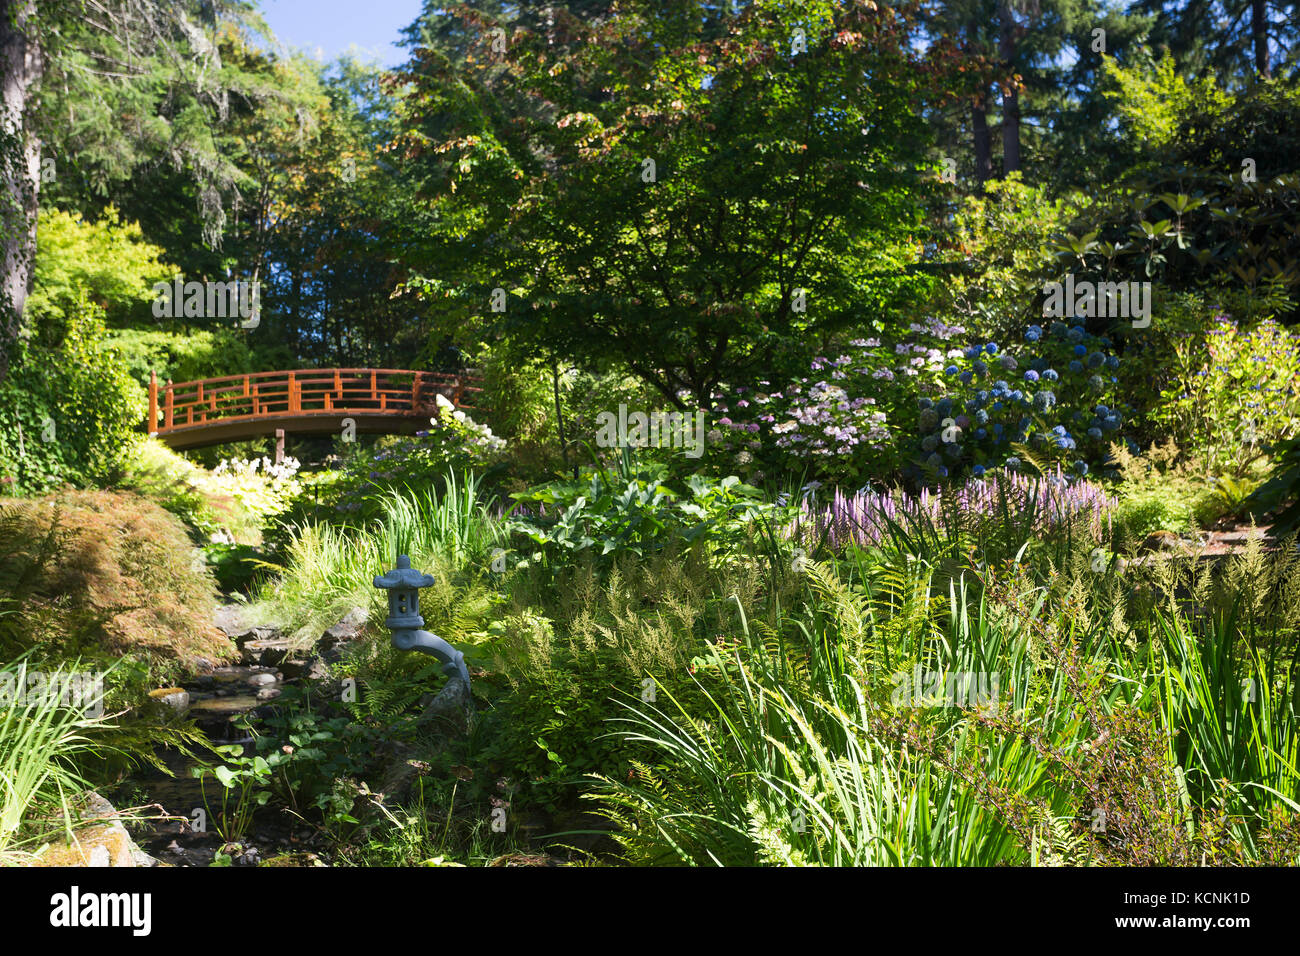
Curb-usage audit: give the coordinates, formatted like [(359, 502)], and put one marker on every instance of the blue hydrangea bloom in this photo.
[(1096, 360), (1112, 361), (1076, 366), (977, 471), (1051, 375), (1081, 350), (1075, 334), (1094, 433), (1031, 376), (950, 370), (991, 348)]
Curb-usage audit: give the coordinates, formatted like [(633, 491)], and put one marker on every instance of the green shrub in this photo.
[(630, 511), (1161, 492), (1234, 394), (1142, 512), (454, 444), (72, 411)]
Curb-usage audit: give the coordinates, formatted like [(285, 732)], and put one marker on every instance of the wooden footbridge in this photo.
[(302, 401)]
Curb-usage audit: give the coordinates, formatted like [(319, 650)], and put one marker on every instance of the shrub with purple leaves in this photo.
[(1053, 395)]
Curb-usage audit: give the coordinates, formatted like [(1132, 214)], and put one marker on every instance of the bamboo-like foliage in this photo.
[(40, 739)]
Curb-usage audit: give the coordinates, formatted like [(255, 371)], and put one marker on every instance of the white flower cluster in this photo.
[(479, 434), (248, 467)]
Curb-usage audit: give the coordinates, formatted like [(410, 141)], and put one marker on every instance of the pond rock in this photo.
[(348, 629), (267, 651), (171, 698)]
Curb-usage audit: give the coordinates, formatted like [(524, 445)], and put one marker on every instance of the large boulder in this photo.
[(102, 841), (350, 628)]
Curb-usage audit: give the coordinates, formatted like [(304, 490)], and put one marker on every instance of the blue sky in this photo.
[(334, 26)]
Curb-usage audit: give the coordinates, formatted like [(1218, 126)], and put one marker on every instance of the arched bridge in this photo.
[(301, 401)]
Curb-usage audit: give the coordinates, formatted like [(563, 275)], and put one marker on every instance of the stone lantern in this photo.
[(403, 585)]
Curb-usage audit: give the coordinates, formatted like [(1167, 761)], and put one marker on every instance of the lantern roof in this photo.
[(404, 576)]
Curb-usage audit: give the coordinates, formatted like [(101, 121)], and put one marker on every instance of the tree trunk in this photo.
[(979, 121), (1259, 34), (20, 169), (1010, 95)]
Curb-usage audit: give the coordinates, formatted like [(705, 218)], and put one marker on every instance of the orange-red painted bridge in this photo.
[(301, 401)]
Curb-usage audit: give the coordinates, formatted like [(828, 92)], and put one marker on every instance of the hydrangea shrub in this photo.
[(1055, 395), (845, 420)]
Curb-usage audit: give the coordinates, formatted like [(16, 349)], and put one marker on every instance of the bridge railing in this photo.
[(337, 391)]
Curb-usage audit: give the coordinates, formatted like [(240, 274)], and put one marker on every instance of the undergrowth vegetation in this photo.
[(951, 688)]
